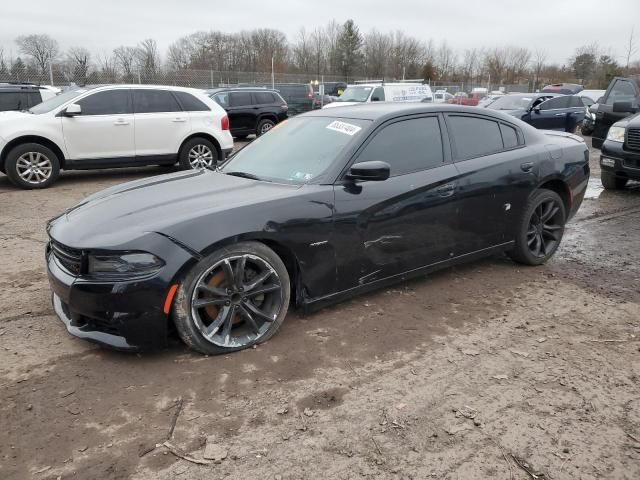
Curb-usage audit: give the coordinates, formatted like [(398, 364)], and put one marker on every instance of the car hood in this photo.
[(634, 120), (514, 113), (159, 204), (338, 103)]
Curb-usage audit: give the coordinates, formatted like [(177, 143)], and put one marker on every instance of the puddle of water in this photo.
[(594, 188)]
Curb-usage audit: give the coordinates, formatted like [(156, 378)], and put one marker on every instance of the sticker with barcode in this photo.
[(344, 127)]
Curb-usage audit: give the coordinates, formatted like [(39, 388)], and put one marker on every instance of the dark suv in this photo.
[(620, 159), (251, 110), (621, 99), (16, 96)]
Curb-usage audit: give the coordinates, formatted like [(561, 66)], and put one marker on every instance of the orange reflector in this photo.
[(169, 300)]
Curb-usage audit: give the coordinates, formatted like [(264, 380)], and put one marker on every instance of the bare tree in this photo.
[(496, 64), (148, 59), (78, 60), (126, 60), (41, 48), (539, 61), (3, 64), (108, 65), (631, 47)]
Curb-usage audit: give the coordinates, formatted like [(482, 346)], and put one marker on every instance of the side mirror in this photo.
[(73, 110), (536, 109), (372, 171), (375, 99), (623, 107)]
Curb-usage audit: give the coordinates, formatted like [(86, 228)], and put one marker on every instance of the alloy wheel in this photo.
[(235, 302), (34, 167), (201, 156), (545, 228), (265, 128)]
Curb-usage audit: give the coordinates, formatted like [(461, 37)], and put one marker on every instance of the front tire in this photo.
[(32, 166), (198, 153), (612, 182), (235, 298), (540, 229)]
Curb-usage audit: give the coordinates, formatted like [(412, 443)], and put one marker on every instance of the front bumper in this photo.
[(619, 160), (124, 315)]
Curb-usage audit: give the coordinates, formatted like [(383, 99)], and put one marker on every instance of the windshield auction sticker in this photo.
[(344, 127)]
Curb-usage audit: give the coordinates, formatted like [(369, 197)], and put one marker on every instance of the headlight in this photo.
[(616, 134), (139, 263)]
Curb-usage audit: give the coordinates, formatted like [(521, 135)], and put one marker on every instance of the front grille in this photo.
[(69, 258), (633, 138)]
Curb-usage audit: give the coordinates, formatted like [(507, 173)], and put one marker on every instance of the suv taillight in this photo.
[(224, 124)]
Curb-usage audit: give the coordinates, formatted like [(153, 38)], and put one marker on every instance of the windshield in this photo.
[(511, 102), (55, 102), (295, 151), (356, 94)]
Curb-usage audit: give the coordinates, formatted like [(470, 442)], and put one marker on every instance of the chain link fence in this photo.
[(62, 77)]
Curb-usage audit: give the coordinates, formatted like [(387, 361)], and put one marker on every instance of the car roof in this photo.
[(386, 110)]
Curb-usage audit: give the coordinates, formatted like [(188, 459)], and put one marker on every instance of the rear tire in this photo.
[(32, 166), (264, 126), (612, 182), (540, 230), (233, 299), (198, 153)]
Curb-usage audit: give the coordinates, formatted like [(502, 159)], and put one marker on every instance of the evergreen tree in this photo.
[(350, 43)]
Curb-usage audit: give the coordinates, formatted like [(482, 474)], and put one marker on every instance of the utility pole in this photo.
[(273, 77), (50, 72)]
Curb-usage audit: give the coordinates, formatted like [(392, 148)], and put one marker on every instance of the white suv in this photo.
[(112, 126)]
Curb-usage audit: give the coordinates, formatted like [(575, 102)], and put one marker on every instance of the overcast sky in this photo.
[(557, 26)]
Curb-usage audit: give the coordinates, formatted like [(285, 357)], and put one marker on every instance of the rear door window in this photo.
[(556, 103), (240, 99), (110, 102), (622, 91), (407, 146), (11, 101), (264, 97), (474, 136), (154, 101)]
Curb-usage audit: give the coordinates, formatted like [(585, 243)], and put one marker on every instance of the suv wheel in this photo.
[(32, 166), (611, 182), (198, 153), (264, 126)]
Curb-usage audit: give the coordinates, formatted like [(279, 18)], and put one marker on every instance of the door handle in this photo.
[(179, 120), (446, 190), (526, 167), (120, 121), (560, 114)]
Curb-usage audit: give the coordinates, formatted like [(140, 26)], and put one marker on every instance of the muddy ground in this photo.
[(481, 371)]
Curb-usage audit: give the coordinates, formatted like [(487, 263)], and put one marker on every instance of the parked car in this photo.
[(563, 88), (441, 96), (20, 96), (462, 98), (319, 102), (547, 111), (112, 126), (620, 158), (330, 204), (488, 100), (589, 97), (383, 92), (623, 90), (250, 110)]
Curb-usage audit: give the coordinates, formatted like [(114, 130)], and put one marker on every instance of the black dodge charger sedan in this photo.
[(327, 205)]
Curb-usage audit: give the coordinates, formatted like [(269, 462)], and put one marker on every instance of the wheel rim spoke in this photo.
[(236, 301)]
